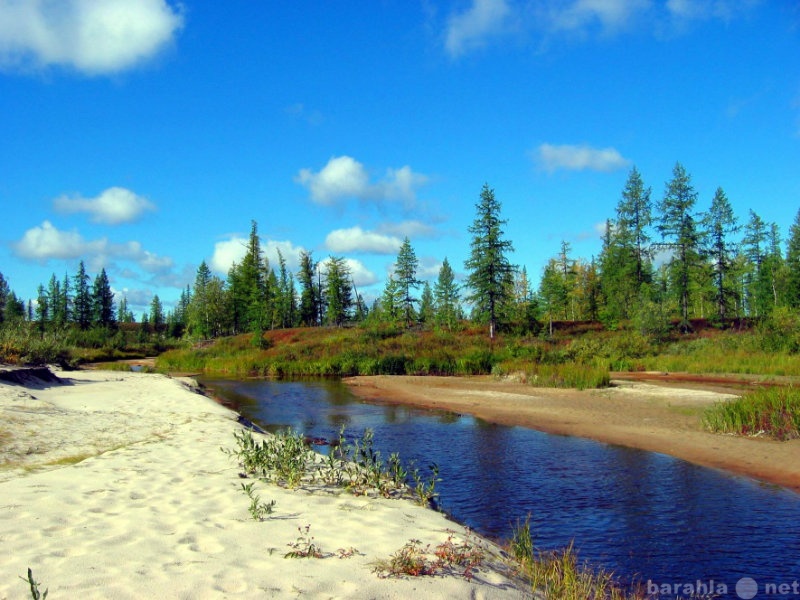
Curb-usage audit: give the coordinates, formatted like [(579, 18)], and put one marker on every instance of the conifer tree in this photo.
[(338, 293), (309, 298), (446, 293), (83, 298), (680, 234), (102, 301), (405, 272), (720, 223), (490, 276), (793, 264)]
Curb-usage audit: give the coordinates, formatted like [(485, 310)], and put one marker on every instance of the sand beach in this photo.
[(113, 485)]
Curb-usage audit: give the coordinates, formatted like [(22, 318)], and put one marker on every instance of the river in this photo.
[(645, 516)]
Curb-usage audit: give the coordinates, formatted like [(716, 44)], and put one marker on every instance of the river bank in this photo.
[(113, 485), (657, 418)]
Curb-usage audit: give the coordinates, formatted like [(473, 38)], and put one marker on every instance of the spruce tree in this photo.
[(490, 276)]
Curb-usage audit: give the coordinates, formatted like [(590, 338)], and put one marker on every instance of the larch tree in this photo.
[(793, 264), (490, 278), (680, 234), (309, 297), (338, 292), (83, 298), (720, 224), (446, 294), (102, 301), (405, 272)]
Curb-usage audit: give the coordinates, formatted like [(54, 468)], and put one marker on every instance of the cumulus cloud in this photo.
[(359, 273), (228, 252), (344, 177), (92, 36), (46, 242), (113, 206), (233, 250), (579, 158), (471, 29), (356, 239)]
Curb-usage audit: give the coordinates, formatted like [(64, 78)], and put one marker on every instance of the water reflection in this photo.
[(636, 513)]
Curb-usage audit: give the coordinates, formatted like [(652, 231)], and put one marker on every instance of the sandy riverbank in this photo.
[(114, 486), (657, 418)]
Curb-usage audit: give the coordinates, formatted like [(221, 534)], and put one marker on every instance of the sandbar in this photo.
[(664, 418)]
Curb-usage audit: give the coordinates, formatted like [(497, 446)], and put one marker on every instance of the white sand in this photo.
[(115, 487)]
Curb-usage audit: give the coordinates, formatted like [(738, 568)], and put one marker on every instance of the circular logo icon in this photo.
[(746, 588)]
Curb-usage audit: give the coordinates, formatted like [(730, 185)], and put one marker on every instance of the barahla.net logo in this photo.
[(746, 588)]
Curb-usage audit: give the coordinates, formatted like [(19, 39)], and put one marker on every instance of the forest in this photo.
[(663, 264)]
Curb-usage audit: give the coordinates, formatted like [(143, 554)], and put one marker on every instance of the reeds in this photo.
[(559, 575), (772, 412)]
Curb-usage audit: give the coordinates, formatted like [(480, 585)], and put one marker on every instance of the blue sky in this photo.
[(145, 136)]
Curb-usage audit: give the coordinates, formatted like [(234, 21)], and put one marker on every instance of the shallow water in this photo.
[(642, 515)]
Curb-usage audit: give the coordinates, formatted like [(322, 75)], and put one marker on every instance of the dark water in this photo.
[(642, 515)]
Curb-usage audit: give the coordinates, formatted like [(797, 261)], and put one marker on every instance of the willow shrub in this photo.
[(774, 412)]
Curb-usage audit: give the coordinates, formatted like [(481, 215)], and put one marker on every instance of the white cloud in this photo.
[(356, 239), (91, 36), (359, 273), (611, 15), (233, 250), (228, 252), (46, 242), (579, 158), (344, 177), (113, 206), (470, 29)]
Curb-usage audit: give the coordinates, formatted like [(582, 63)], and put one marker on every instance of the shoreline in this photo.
[(656, 418), (114, 485)]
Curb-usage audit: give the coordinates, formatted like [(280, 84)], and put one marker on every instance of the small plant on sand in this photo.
[(35, 593), (425, 492), (409, 560), (414, 559), (304, 546), (258, 509)]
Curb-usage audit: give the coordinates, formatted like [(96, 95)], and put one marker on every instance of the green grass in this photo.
[(559, 575), (774, 412)]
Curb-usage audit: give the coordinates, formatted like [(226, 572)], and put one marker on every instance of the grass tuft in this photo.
[(773, 412)]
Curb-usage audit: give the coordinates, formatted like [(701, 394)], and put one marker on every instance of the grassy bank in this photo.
[(338, 352), (773, 412)]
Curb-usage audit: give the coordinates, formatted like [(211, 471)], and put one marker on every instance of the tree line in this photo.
[(660, 260)]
